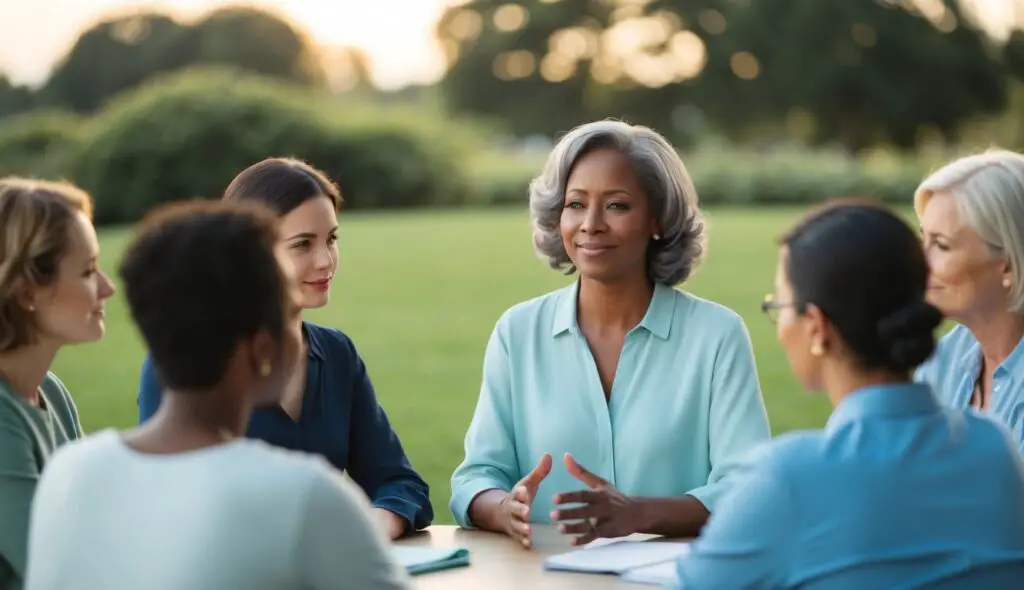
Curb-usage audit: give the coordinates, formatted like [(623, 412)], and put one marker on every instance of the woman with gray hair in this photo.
[(648, 395), (972, 221)]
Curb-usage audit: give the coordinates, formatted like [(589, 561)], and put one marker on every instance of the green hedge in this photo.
[(39, 143), (725, 177), (187, 134)]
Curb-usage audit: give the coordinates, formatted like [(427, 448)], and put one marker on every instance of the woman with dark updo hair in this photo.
[(886, 495)]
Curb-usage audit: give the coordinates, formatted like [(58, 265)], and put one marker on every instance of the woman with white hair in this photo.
[(649, 395), (972, 221)]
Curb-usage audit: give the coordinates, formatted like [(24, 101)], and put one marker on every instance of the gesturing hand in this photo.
[(606, 512), (515, 508)]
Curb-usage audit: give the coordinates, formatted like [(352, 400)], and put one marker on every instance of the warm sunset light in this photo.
[(396, 35)]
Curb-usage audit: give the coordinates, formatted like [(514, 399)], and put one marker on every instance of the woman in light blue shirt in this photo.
[(972, 221), (646, 395), (886, 496)]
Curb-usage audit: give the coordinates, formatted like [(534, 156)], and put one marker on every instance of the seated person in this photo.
[(51, 295), (971, 213), (896, 491), (184, 500), (646, 393), (329, 406)]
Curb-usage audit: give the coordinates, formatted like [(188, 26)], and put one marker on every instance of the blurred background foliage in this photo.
[(770, 101)]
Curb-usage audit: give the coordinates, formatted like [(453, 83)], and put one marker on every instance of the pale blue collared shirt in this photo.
[(955, 366), (895, 492), (685, 403)]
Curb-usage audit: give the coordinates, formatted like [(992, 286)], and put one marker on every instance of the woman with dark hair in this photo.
[(329, 406), (184, 501), (886, 495)]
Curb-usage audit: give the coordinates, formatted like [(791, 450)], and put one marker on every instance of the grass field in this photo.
[(419, 295)]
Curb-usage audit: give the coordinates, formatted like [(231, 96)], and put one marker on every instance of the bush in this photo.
[(188, 134), (38, 144), (729, 177)]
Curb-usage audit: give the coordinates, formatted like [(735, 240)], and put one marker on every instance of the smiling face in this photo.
[(966, 279), (309, 240), (70, 310), (606, 222)]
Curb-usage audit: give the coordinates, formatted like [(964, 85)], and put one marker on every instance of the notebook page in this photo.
[(658, 574), (616, 558)]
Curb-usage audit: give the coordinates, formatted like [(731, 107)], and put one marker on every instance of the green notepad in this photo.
[(422, 560)]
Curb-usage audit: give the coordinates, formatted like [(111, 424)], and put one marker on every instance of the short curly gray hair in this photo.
[(661, 173)]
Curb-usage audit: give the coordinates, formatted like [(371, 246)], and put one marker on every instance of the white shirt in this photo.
[(240, 515)]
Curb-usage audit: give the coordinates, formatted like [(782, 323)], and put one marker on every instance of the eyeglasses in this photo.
[(771, 307)]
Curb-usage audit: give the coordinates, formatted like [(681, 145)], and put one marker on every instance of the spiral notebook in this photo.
[(422, 560)]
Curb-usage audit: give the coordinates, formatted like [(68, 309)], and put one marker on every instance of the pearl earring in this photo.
[(265, 369), (1006, 283), (817, 349), (656, 237)]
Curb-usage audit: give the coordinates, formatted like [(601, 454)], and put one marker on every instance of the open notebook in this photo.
[(421, 560), (644, 562)]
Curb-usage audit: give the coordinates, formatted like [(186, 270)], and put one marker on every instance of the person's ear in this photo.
[(817, 327), (263, 354)]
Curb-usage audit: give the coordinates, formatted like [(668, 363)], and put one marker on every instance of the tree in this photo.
[(14, 99), (864, 71), (122, 52)]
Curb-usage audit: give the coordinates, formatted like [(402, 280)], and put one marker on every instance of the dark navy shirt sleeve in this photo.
[(377, 461), (149, 390)]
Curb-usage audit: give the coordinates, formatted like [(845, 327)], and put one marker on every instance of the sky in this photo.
[(397, 35)]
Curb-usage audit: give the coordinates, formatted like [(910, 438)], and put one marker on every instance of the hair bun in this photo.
[(908, 334)]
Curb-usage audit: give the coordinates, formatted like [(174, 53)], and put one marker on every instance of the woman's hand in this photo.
[(515, 507), (606, 512)]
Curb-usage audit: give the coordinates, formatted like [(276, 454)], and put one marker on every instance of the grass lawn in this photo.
[(419, 295)]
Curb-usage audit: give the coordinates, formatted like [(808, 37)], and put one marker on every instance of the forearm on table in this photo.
[(485, 509), (682, 516)]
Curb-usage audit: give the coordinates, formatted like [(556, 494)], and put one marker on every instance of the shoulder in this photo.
[(793, 447), (785, 459), (536, 314), (83, 455), (333, 342), (54, 388), (704, 312), (955, 343), (59, 397), (951, 347), (788, 456), (947, 361), (987, 433), (537, 308), (319, 483), (704, 322)]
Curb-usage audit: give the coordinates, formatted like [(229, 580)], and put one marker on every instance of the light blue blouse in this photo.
[(895, 492), (955, 366), (685, 403)]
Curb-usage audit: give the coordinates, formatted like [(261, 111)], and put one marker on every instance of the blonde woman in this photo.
[(972, 222), (51, 294)]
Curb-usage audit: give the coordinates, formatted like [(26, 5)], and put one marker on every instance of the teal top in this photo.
[(895, 492), (28, 437), (685, 404)]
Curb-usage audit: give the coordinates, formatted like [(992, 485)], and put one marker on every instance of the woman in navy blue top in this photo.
[(330, 407)]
